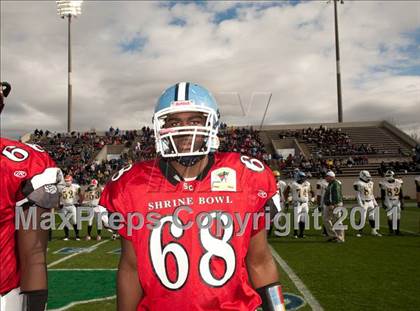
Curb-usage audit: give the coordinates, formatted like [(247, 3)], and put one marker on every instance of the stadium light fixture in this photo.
[(69, 9)]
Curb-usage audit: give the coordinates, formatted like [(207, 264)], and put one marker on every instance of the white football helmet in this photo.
[(389, 176), (365, 176)]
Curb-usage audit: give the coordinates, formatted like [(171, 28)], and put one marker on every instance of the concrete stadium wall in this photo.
[(109, 149), (400, 134), (101, 156)]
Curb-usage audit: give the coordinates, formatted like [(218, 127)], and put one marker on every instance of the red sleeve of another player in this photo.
[(112, 198), (262, 191)]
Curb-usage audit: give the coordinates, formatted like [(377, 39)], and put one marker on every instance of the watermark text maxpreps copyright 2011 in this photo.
[(182, 219)]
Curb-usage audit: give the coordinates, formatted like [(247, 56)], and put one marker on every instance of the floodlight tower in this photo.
[(337, 58), (69, 9)]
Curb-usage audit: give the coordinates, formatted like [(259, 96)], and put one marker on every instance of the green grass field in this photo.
[(368, 273)]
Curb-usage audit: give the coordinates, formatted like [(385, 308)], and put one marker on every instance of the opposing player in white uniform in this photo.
[(300, 190), (392, 200), (277, 200), (281, 187), (366, 200), (417, 181), (69, 198), (91, 199), (321, 186)]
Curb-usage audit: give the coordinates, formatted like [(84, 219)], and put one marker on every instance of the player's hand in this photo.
[(320, 208)]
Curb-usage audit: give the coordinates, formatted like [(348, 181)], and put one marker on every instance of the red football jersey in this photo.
[(24, 169), (196, 266)]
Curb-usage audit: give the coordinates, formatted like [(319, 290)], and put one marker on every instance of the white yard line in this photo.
[(54, 263), (82, 302), (310, 299)]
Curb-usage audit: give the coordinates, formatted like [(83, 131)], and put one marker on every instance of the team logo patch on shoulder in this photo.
[(223, 179), (20, 174)]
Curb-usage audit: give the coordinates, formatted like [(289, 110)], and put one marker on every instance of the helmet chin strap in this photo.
[(189, 161)]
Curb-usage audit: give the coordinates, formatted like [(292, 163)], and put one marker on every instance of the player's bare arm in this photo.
[(261, 267), (263, 272), (129, 291), (32, 246)]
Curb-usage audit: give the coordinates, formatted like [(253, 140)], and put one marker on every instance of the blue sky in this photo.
[(134, 44), (125, 53)]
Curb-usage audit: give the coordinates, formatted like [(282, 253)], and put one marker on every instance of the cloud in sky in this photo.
[(125, 53)]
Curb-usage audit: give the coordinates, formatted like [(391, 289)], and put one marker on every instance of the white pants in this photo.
[(99, 212), (301, 211), (368, 208), (69, 210), (12, 301), (393, 209)]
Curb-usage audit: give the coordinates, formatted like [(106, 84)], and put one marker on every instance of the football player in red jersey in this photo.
[(180, 262), (28, 178)]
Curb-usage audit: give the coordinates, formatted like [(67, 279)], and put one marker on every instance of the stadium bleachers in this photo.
[(387, 145), (102, 153), (380, 138)]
